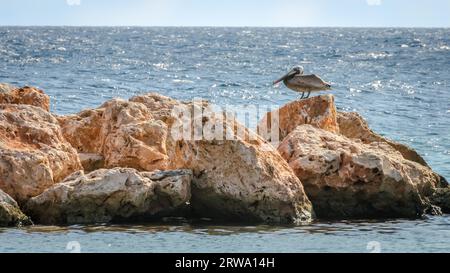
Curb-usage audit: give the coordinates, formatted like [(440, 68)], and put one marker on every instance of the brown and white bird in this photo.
[(296, 81)]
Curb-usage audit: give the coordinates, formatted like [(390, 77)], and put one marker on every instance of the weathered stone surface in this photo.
[(441, 198), (319, 111), (124, 133), (82, 130), (352, 125), (243, 180), (256, 185), (115, 195), (6, 87), (161, 106), (33, 152), (91, 162), (10, 213), (345, 178), (26, 95)]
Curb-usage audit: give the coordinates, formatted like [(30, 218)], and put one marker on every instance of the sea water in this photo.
[(398, 79)]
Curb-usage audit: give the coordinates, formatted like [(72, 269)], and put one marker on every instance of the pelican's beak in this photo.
[(292, 72)]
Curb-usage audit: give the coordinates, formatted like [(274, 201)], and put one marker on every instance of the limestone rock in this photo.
[(124, 133), (352, 125), (319, 111), (243, 180), (10, 213), (91, 162), (345, 178), (33, 153), (26, 95), (256, 184), (82, 130), (114, 195), (6, 87)]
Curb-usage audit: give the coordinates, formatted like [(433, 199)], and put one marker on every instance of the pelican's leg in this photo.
[(309, 94), (303, 95)]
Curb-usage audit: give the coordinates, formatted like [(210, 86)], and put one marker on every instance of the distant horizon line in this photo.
[(197, 26)]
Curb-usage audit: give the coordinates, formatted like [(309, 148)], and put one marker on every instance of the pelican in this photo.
[(295, 80)]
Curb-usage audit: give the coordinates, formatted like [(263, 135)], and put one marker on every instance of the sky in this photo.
[(272, 13)]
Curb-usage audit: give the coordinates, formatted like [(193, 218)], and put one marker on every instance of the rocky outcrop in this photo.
[(6, 87), (123, 132), (25, 95), (33, 153), (233, 179), (319, 111), (441, 198), (115, 195), (244, 179), (10, 213), (345, 178), (352, 125)]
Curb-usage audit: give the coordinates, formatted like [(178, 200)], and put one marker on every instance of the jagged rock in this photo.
[(115, 195), (6, 87), (258, 185), (244, 179), (124, 133), (319, 111), (10, 213), (352, 125), (25, 95), (33, 153), (82, 130), (345, 178), (441, 198)]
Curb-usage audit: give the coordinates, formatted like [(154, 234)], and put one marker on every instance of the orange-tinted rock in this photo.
[(26, 95), (242, 179), (33, 153), (319, 111), (160, 106), (345, 178), (233, 179), (352, 125), (83, 130), (124, 133)]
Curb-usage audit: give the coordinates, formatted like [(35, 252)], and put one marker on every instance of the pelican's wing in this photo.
[(310, 81)]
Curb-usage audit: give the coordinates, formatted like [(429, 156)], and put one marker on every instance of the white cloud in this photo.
[(374, 2), (73, 2)]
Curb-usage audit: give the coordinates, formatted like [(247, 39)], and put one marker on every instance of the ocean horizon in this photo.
[(396, 78)]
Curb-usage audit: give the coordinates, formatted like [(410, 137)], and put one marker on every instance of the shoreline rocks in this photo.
[(319, 111), (33, 153), (125, 162), (6, 87), (348, 179), (10, 213), (348, 170), (25, 95), (352, 125), (115, 195), (256, 185), (441, 198)]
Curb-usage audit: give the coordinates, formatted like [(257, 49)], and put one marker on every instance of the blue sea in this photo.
[(398, 79)]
